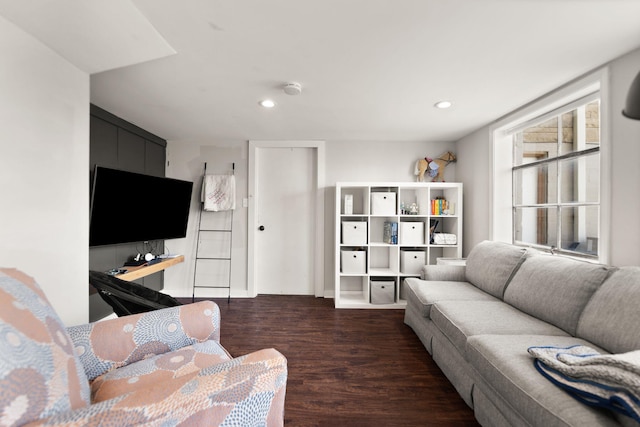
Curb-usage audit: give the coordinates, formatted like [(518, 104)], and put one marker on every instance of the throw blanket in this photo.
[(606, 380), (219, 192)]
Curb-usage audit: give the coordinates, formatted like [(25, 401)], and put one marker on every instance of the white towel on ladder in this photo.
[(219, 192)]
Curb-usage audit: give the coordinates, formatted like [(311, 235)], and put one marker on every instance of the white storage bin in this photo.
[(411, 262), (353, 262), (383, 291), (354, 232), (412, 233), (383, 203)]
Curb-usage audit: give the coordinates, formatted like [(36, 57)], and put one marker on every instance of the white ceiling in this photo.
[(369, 69), (94, 35)]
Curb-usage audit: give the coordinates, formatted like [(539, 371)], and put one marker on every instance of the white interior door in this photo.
[(285, 222)]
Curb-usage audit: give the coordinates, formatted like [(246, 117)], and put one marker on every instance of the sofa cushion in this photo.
[(459, 320), (509, 379), (555, 289), (40, 374), (423, 294), (490, 266), (611, 318)]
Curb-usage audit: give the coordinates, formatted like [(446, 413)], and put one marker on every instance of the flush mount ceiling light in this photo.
[(267, 103), (443, 104), (292, 88)]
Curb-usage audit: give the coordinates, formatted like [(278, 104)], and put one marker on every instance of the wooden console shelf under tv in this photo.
[(134, 273)]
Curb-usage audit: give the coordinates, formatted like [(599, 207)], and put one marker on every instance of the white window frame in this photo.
[(501, 227)]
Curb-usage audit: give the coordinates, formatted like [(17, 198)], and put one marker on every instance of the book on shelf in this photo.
[(432, 229), (440, 206), (390, 233)]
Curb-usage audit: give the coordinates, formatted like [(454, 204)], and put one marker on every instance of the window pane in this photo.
[(592, 123), (537, 142), (569, 134), (580, 229), (580, 179), (536, 226), (581, 128), (536, 184)]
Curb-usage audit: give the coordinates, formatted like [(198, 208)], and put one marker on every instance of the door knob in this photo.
[(261, 228)]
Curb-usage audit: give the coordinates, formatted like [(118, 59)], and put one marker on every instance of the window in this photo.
[(556, 179)]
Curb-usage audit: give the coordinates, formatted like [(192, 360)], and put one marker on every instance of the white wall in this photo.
[(474, 170), (625, 158), (44, 173), (344, 161), (186, 161)]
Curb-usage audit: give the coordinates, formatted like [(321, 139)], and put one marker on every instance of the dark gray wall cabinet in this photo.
[(116, 143)]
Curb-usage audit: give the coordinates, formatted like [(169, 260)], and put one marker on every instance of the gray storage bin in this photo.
[(383, 291)]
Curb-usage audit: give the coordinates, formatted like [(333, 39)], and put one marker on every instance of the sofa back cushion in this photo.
[(555, 289), (611, 319), (490, 266), (39, 372)]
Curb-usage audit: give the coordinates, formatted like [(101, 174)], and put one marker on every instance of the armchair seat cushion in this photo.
[(248, 389), (166, 371)]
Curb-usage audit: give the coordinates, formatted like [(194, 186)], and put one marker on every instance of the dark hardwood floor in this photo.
[(346, 367)]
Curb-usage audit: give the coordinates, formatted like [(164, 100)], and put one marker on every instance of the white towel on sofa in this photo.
[(219, 192)]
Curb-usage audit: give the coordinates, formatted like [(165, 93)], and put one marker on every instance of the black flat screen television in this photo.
[(131, 207)]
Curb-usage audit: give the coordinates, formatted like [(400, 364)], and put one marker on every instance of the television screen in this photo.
[(132, 207)]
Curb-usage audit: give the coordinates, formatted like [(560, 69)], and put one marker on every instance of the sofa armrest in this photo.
[(248, 390), (452, 273), (105, 345)]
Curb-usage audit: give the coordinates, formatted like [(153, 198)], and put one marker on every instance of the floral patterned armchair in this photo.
[(161, 368)]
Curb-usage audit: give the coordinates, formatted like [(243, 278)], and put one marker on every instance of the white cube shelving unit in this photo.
[(375, 207)]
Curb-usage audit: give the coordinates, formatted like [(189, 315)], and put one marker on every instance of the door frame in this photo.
[(318, 267)]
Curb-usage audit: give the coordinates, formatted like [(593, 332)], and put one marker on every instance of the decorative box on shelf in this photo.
[(444, 239)]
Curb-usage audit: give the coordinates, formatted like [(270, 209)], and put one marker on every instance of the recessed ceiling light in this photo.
[(443, 104), (267, 103)]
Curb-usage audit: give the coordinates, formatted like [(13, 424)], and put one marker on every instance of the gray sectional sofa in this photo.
[(477, 322)]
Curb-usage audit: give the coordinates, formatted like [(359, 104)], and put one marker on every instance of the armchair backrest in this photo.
[(40, 374)]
